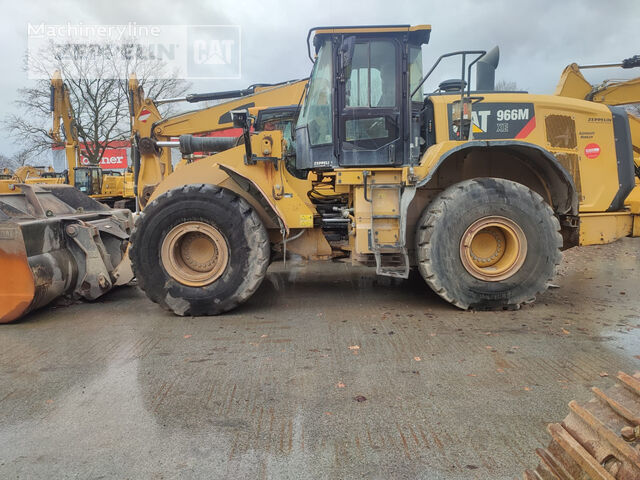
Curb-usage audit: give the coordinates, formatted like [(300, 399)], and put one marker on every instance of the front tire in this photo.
[(488, 243), (199, 250)]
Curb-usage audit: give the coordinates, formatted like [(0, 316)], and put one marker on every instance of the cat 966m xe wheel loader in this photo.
[(478, 189)]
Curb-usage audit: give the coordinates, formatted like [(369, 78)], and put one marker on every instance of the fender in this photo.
[(562, 186), (279, 198), (216, 174)]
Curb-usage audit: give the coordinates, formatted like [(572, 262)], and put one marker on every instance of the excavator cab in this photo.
[(364, 75), (88, 179)]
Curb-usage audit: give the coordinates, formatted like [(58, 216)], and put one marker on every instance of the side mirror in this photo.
[(241, 119)]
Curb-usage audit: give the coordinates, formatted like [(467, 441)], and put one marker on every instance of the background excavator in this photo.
[(110, 188), (573, 84), (113, 189), (610, 92)]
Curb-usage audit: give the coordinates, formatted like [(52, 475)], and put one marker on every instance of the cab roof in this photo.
[(418, 34)]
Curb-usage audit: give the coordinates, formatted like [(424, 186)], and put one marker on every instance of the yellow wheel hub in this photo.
[(493, 248), (194, 253)]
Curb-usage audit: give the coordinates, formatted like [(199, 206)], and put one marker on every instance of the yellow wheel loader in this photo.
[(478, 190)]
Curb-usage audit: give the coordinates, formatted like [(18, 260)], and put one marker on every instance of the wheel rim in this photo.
[(493, 248), (194, 253)]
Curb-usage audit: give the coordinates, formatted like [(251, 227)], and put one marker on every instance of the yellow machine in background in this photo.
[(610, 92), (30, 174), (108, 187), (479, 190)]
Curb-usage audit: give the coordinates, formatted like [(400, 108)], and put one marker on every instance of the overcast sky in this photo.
[(537, 38)]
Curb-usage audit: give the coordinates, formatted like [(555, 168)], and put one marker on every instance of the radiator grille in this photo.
[(571, 163), (561, 131)]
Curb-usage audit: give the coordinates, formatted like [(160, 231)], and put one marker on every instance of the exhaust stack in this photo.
[(486, 70)]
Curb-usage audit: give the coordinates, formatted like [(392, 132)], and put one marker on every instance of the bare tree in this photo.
[(97, 80), (21, 158), (6, 162), (17, 160)]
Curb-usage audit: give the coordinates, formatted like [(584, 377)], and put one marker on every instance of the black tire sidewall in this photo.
[(217, 207), (459, 208)]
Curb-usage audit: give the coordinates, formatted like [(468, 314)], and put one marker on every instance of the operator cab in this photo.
[(364, 75), (88, 179)]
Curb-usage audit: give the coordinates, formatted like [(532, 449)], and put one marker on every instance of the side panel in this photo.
[(601, 228), (285, 193), (624, 155), (588, 139)]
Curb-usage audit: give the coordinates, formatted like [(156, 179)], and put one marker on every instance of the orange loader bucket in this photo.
[(56, 241), (17, 287)]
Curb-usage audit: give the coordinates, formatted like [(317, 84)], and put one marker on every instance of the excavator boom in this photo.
[(610, 92)]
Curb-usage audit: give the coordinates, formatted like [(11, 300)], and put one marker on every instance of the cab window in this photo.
[(415, 72), (316, 111), (372, 75)]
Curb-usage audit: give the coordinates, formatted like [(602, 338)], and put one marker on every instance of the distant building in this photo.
[(116, 157)]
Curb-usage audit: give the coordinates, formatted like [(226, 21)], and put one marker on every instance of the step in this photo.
[(397, 264)]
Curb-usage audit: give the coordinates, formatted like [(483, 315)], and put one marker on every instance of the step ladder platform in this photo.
[(394, 264)]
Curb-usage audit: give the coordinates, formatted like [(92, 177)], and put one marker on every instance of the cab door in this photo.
[(370, 92)]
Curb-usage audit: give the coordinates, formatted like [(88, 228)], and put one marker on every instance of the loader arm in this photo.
[(153, 164)]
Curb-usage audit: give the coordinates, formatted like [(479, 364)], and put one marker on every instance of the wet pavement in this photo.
[(327, 372)]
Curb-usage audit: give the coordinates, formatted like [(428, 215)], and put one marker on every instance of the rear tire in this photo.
[(199, 250), (514, 226)]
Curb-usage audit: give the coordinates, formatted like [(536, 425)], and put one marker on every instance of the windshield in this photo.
[(415, 72), (88, 179), (316, 111)]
